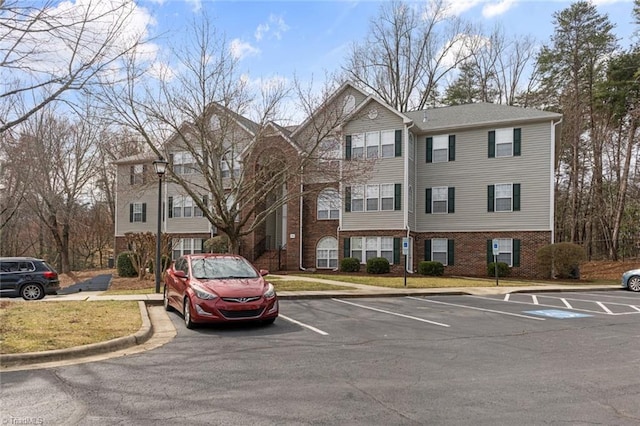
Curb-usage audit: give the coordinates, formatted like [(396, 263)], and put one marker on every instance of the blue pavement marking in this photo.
[(557, 313)]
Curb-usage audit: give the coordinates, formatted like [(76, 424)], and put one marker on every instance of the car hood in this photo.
[(235, 287), (631, 272)]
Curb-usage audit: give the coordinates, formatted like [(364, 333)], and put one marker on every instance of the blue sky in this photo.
[(280, 38)]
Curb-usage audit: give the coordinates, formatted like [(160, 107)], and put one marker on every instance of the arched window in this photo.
[(328, 204), (327, 253), (349, 104)]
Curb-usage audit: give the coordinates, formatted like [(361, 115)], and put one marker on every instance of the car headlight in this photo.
[(270, 292), (201, 293)]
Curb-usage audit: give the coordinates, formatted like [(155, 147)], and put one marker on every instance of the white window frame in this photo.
[(183, 163), (503, 187), (387, 143), (412, 146), (327, 253), (229, 162), (357, 146), (364, 248), (372, 143), (137, 212), (504, 142), (373, 195), (440, 194), (387, 191), (440, 152), (328, 205), (506, 251), (357, 194), (440, 250), (411, 198), (182, 246), (138, 174)]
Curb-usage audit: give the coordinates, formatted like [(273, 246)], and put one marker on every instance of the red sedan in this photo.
[(215, 288)]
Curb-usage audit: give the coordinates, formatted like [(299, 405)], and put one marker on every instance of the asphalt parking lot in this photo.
[(525, 359)]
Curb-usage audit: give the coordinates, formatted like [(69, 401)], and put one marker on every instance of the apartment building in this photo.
[(450, 180)]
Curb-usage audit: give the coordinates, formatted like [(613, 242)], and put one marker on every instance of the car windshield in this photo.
[(209, 268)]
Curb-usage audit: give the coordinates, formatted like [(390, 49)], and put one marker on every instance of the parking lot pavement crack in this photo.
[(621, 415), (77, 413), (381, 403)]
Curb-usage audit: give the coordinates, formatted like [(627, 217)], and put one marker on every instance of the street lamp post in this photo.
[(161, 167)]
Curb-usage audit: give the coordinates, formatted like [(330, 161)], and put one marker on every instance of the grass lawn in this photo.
[(419, 281), (42, 326), (300, 285)]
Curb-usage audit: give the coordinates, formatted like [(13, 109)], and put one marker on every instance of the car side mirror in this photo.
[(264, 272), (179, 273)]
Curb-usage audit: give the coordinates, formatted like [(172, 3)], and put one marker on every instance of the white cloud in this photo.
[(197, 4), (458, 7), (102, 28), (240, 49), (495, 9), (275, 27)]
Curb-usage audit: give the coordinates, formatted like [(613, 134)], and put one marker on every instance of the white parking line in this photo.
[(507, 296), (567, 304), (301, 324), (478, 309), (535, 299), (392, 313), (555, 306), (607, 310)]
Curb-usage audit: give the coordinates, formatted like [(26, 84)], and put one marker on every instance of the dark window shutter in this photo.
[(428, 201), (205, 201), (170, 207), (516, 197), (450, 252), (398, 143), (490, 198), (202, 249), (397, 243), (130, 212), (516, 252), (397, 199), (144, 173), (517, 145), (170, 160), (131, 175), (347, 247), (492, 144), (347, 199), (429, 150), (347, 147), (489, 251), (144, 212), (451, 201), (452, 147), (427, 250)]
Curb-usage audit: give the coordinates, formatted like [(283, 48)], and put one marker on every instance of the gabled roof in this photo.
[(379, 101), (327, 102), (475, 115), (249, 125), (144, 157)]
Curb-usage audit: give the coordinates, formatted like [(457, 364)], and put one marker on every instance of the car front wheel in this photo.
[(634, 283), (187, 314), (32, 292)]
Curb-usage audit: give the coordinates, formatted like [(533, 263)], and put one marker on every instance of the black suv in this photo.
[(27, 277)]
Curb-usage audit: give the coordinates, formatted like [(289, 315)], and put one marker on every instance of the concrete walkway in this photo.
[(157, 328)]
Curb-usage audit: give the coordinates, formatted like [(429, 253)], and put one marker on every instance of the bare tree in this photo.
[(408, 52), (64, 154), (242, 166), (49, 49)]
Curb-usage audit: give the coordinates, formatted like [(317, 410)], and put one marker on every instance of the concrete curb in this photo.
[(142, 335)]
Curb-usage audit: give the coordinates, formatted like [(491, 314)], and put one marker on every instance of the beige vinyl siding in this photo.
[(471, 173), (140, 193), (383, 171), (182, 224)]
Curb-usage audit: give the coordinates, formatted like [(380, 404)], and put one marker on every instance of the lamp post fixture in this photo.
[(161, 167)]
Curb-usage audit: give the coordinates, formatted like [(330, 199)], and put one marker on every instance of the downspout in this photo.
[(406, 178), (553, 173), (302, 268)]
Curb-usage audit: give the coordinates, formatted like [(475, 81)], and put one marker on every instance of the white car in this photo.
[(631, 280)]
